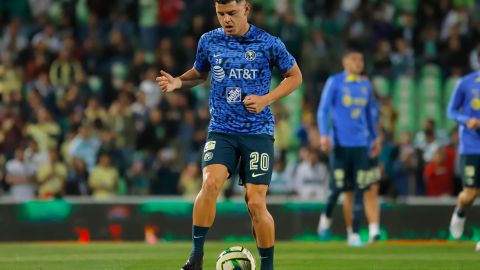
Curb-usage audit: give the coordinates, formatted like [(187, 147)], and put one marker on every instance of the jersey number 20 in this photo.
[(256, 158)]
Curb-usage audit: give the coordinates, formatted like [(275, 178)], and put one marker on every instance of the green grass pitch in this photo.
[(289, 256)]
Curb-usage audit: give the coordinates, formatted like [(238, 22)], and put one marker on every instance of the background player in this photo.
[(347, 123), (239, 57), (464, 108), (369, 200)]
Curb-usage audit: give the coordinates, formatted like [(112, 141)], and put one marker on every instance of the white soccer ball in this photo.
[(235, 258), (477, 247)]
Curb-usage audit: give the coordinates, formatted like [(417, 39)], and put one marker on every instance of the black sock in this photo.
[(460, 212), (198, 238), (331, 202), (266, 258)]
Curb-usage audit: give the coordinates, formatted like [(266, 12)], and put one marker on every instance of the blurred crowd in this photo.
[(81, 113)]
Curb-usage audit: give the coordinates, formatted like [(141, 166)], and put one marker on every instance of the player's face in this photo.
[(233, 17), (353, 63)]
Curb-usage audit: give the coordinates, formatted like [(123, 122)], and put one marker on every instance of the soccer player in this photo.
[(370, 198), (240, 58), (464, 108), (347, 127)]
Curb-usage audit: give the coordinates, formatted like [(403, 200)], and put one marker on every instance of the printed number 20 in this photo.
[(263, 159)]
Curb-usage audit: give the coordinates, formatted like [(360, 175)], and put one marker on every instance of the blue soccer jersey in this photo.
[(240, 66), (465, 104), (345, 111)]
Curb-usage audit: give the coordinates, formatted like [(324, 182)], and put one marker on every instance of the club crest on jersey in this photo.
[(234, 94), (250, 55)]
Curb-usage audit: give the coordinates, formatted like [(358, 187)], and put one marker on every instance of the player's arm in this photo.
[(372, 124), (193, 77), (323, 113), (454, 111), (292, 80), (187, 80)]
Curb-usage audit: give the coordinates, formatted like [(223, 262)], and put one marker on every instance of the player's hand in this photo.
[(325, 143), (255, 104), (376, 148), (473, 123), (167, 82)]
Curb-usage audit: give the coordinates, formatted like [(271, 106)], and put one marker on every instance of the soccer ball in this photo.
[(235, 258)]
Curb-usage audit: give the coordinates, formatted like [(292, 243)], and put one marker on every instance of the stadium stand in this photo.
[(78, 77)]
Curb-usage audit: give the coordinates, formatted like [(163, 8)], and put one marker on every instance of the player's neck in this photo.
[(351, 73), (245, 30)]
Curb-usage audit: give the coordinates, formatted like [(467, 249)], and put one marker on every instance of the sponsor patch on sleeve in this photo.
[(209, 146)]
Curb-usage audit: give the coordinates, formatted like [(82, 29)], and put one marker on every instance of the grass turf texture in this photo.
[(289, 256)]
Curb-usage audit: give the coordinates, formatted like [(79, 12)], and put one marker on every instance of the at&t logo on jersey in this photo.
[(218, 73), (243, 73)]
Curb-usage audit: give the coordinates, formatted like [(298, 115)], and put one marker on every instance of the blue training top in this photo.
[(346, 111), (465, 104), (240, 66)]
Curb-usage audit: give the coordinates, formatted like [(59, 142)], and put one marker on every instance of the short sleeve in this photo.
[(282, 59), (201, 59)]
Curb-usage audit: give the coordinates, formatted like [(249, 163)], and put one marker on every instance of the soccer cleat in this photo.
[(193, 264), (323, 230), (374, 238), (456, 226), (353, 240), (374, 232), (324, 235)]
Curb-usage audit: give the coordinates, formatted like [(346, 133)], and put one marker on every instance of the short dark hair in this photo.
[(223, 2), (351, 49)]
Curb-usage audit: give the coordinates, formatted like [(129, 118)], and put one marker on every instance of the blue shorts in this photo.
[(251, 154), (374, 172), (470, 166), (349, 168)]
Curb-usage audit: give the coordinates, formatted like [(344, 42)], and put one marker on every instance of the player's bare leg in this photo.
[(347, 211), (353, 212), (372, 211), (204, 209), (465, 199), (251, 218), (262, 223)]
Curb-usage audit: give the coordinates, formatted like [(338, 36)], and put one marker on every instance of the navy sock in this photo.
[(198, 238), (460, 212), (331, 202), (266, 258), (357, 211)]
